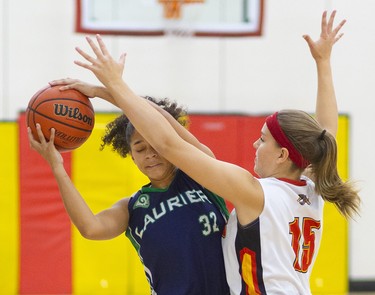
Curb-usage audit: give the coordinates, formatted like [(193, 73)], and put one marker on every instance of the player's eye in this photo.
[(140, 150)]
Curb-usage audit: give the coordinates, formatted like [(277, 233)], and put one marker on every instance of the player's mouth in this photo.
[(152, 166)]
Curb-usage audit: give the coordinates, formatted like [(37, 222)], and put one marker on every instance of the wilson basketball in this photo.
[(69, 112)]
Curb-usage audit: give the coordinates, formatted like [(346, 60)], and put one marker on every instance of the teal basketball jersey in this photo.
[(177, 233)]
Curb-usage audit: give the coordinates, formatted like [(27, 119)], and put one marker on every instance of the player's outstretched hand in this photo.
[(45, 148), (68, 83), (104, 67), (321, 49), (87, 89)]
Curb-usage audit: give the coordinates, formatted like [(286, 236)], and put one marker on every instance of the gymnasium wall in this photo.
[(42, 253), (254, 75)]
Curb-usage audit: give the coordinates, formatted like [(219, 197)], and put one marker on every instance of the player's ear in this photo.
[(284, 155)]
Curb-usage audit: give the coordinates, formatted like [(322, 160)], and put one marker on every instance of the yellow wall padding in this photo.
[(330, 273), (9, 209), (103, 178)]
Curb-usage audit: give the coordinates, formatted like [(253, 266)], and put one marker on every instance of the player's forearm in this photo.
[(182, 131), (103, 93), (143, 116), (77, 209), (326, 104)]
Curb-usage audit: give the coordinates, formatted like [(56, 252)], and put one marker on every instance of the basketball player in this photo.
[(274, 232), (174, 223)]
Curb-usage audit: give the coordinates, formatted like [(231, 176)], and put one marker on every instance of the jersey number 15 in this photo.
[(306, 232)]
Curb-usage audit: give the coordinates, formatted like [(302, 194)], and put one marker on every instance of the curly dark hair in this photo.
[(118, 132)]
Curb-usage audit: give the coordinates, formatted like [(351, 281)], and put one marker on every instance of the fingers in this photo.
[(338, 37), (327, 31), (122, 58), (63, 81), (308, 39), (102, 46), (85, 55), (66, 87), (82, 64), (41, 137), (99, 51), (330, 22), (32, 141), (40, 134), (66, 83), (52, 136), (338, 28), (88, 57), (324, 23), (102, 65)]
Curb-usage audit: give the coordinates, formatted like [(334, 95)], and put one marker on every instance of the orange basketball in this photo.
[(69, 112)]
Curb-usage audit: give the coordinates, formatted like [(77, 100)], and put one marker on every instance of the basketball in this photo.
[(69, 112)]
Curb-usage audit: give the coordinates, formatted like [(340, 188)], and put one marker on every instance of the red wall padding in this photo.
[(45, 228), (230, 137)]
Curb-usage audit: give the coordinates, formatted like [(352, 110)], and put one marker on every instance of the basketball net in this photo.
[(175, 25)]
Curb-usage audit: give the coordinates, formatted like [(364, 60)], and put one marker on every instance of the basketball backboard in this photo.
[(221, 18)]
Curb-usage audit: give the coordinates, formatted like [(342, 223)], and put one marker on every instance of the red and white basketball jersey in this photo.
[(275, 253)]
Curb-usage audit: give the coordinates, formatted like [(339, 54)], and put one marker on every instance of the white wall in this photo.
[(253, 75)]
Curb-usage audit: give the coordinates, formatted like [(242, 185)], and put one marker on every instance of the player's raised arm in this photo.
[(236, 184), (105, 225), (326, 105), (92, 91)]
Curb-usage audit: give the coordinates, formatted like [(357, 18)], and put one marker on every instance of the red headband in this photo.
[(280, 137)]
